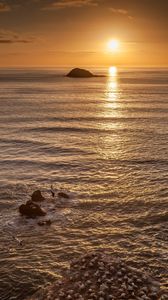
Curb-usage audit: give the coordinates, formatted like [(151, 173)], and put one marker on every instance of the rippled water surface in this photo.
[(104, 141)]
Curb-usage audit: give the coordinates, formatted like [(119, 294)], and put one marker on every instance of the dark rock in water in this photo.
[(31, 210), (79, 73), (63, 195), (45, 222), (37, 196)]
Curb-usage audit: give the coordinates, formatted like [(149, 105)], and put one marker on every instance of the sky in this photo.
[(77, 32)]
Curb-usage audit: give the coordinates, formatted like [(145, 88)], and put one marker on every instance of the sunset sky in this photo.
[(77, 32)]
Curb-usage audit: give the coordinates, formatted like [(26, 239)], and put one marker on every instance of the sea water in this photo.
[(102, 140)]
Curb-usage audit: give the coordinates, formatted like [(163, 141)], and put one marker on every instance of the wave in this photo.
[(56, 164), (150, 219), (42, 146), (100, 130)]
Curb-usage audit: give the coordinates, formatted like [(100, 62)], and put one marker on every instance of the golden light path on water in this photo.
[(112, 145), (112, 92)]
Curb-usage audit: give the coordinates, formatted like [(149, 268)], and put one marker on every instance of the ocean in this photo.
[(102, 140)]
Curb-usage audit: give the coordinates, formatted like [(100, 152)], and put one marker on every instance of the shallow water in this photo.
[(104, 141)]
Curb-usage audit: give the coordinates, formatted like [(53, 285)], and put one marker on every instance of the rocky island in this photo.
[(80, 73)]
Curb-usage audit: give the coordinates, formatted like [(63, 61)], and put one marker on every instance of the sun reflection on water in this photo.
[(112, 92), (113, 71)]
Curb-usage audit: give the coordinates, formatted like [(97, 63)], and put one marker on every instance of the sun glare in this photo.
[(113, 71), (113, 45)]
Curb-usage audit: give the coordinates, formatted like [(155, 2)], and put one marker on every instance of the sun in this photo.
[(113, 45)]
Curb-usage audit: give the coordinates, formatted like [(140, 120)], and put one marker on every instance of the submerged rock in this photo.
[(37, 196), (63, 195), (80, 73), (31, 210), (103, 277), (45, 222)]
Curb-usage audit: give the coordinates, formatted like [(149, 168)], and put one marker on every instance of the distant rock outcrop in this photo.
[(80, 73)]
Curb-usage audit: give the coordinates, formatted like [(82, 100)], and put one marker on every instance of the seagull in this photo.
[(20, 242), (15, 238), (52, 191)]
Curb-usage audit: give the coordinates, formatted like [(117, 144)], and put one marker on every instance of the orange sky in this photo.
[(76, 32)]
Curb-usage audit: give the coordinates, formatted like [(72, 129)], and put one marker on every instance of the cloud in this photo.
[(4, 7), (121, 11), (8, 41), (62, 4), (10, 37)]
